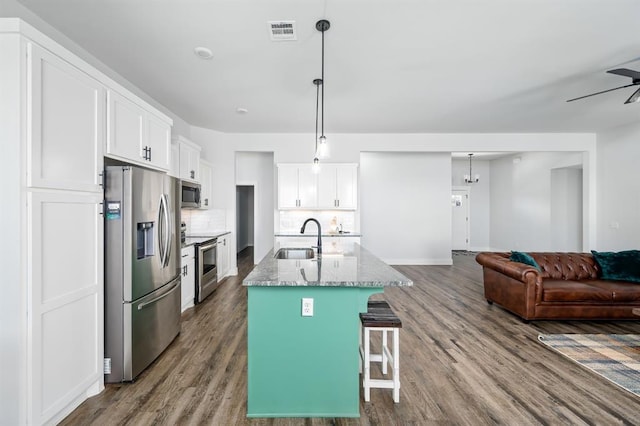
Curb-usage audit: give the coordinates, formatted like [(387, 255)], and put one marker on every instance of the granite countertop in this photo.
[(202, 238), (355, 267), (344, 234)]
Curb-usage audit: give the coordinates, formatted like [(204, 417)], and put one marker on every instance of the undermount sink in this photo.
[(294, 253)]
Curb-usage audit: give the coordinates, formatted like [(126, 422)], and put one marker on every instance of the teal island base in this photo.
[(301, 366)]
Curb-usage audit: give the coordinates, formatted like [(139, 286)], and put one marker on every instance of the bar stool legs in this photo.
[(384, 321)]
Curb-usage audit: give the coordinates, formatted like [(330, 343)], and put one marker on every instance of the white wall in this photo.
[(219, 149), (406, 203), (479, 200), (257, 169), (619, 189), (566, 209), (521, 217)]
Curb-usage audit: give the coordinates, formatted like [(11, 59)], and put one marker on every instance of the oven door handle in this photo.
[(209, 246)]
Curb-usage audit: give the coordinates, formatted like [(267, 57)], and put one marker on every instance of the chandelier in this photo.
[(470, 178)]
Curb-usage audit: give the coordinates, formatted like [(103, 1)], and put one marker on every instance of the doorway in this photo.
[(245, 219), (566, 209), (460, 219)]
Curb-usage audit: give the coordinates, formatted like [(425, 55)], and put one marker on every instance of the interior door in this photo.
[(460, 219)]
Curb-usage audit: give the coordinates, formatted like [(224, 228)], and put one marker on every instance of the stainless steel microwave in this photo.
[(190, 198)]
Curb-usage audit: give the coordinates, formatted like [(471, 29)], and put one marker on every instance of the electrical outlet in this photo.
[(307, 307)]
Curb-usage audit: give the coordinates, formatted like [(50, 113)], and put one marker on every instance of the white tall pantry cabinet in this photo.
[(53, 124)]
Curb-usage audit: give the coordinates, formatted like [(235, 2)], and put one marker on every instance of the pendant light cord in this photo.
[(322, 77)]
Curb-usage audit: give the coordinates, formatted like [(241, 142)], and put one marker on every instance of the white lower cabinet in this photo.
[(65, 270), (188, 277), (223, 256)]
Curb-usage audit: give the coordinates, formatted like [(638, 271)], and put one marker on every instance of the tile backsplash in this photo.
[(204, 221), (291, 221)]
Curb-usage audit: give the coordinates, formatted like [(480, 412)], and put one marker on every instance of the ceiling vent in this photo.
[(282, 30)]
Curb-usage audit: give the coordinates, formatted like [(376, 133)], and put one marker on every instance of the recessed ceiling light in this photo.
[(203, 53), (242, 110)]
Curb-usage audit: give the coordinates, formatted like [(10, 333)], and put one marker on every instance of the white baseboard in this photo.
[(448, 261), (480, 249), (233, 271)]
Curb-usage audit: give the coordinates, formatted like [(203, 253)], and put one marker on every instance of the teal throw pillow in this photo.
[(518, 256), (621, 266)]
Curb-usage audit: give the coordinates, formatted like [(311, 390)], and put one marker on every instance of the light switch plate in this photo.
[(307, 307)]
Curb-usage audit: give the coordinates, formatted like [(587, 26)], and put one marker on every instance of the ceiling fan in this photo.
[(635, 81)]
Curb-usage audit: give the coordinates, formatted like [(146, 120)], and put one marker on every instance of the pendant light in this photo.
[(470, 178), (321, 144), (323, 147), (316, 160)]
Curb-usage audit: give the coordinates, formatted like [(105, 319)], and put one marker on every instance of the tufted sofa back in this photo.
[(567, 266)]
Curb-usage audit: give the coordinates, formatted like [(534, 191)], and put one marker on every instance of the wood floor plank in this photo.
[(462, 361)]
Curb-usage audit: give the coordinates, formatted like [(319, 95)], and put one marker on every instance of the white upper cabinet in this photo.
[(189, 159), (206, 172), (334, 187), (159, 142), (338, 186), (296, 186), (67, 124), (174, 169), (125, 134), (135, 134)]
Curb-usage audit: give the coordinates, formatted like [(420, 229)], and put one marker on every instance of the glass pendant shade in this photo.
[(323, 148), (316, 165)]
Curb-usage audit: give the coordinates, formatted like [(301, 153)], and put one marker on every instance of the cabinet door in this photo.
[(174, 170), (222, 252), (65, 304), (189, 163), (125, 128), (205, 185), (307, 187), (159, 142), (347, 186), (188, 283), (67, 125), (225, 259), (287, 186), (327, 198)]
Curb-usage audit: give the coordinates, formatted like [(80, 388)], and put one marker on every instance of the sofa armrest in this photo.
[(500, 262)]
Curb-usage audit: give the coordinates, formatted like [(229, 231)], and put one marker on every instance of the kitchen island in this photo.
[(308, 366)]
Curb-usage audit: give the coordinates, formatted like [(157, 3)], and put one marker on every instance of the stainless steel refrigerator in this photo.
[(142, 268)]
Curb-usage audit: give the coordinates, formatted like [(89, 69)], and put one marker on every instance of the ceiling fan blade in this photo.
[(626, 72), (634, 98), (604, 91)]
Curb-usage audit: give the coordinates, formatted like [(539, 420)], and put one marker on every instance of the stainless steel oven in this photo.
[(207, 266)]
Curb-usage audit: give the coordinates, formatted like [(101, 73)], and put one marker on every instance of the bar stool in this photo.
[(380, 317)]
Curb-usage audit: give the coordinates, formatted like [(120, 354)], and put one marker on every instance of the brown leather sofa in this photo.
[(567, 287)]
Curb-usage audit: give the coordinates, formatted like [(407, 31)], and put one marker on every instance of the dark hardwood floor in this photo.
[(462, 362)]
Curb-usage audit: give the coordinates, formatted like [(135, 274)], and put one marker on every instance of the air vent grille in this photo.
[(282, 30)]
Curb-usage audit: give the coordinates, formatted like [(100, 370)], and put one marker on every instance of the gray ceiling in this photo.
[(392, 66)]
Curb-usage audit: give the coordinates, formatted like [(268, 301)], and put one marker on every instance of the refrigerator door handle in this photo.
[(162, 296), (168, 231), (161, 231)]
